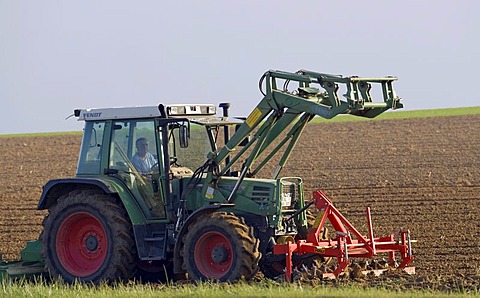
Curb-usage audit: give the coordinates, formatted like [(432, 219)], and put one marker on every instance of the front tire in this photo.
[(87, 237), (221, 247)]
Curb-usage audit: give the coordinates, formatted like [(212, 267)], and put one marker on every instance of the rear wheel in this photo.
[(87, 237), (221, 247)]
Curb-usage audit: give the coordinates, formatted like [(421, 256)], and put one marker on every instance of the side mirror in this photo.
[(184, 135)]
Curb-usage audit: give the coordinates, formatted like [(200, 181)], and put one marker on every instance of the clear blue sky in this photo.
[(56, 56)]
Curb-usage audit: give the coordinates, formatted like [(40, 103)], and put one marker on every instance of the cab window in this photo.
[(91, 149)]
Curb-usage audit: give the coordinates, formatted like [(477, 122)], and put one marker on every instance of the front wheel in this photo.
[(87, 237), (221, 247)]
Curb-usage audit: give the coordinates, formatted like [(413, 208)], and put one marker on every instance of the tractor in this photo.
[(173, 191)]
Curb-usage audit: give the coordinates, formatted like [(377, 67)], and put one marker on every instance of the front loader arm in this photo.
[(283, 110), (285, 106)]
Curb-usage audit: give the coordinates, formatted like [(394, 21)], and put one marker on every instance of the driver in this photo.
[(143, 160)]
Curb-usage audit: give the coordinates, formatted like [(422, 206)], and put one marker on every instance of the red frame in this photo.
[(349, 242)]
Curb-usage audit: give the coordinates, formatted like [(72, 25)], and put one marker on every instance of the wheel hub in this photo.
[(219, 254), (91, 243)]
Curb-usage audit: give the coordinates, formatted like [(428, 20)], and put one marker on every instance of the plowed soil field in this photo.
[(422, 174)]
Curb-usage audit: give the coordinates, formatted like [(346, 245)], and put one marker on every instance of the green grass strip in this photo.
[(241, 289), (400, 114), (405, 114), (43, 134)]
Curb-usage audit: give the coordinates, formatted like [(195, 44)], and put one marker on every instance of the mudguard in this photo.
[(57, 187)]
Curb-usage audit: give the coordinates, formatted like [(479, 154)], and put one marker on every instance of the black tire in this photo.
[(220, 247), (88, 237)]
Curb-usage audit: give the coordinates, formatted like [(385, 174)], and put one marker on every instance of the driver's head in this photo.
[(142, 145)]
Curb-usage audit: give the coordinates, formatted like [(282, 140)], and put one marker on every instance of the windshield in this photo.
[(196, 153)]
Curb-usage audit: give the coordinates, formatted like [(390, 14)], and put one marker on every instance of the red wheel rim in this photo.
[(81, 244), (213, 255)]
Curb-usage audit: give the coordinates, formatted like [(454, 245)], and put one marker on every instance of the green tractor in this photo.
[(171, 191)]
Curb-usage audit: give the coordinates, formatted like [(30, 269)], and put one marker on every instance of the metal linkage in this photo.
[(357, 99), (348, 243)]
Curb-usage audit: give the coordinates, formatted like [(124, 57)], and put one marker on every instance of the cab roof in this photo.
[(204, 114), (138, 112)]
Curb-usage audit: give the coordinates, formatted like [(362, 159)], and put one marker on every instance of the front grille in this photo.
[(290, 192), (261, 193)]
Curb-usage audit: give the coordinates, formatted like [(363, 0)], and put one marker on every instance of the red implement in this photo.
[(348, 243)]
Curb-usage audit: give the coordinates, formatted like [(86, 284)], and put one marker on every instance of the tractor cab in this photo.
[(151, 150)]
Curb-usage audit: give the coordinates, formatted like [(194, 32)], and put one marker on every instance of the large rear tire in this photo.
[(88, 237), (220, 247)]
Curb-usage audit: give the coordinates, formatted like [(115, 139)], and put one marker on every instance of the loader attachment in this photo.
[(322, 89), (290, 101), (348, 242), (30, 264)]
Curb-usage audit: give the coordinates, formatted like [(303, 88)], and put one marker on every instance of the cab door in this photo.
[(136, 153)]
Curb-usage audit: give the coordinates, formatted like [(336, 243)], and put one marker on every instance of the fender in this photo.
[(55, 188), (177, 259)]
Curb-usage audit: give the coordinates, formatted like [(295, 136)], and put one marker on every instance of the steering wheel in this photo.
[(154, 168)]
